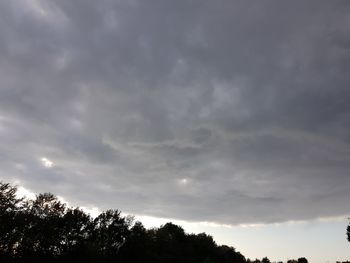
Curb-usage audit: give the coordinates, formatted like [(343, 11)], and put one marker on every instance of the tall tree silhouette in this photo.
[(109, 232), (10, 218), (42, 232), (139, 246), (76, 231)]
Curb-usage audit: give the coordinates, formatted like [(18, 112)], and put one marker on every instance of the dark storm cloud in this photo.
[(223, 111)]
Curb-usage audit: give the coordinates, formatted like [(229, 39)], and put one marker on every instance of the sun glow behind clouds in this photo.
[(184, 181), (46, 162)]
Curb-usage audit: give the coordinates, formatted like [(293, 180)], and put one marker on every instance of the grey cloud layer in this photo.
[(247, 101)]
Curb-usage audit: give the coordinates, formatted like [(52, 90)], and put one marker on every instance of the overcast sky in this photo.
[(232, 112)]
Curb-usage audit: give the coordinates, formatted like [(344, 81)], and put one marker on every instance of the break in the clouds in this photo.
[(222, 111)]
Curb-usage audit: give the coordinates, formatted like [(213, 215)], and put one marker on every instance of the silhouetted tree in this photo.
[(10, 220), (265, 260), (42, 234), (302, 260), (202, 247), (109, 232), (228, 254), (139, 246), (76, 230), (170, 242), (348, 232)]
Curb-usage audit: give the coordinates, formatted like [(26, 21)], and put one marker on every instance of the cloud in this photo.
[(246, 103)]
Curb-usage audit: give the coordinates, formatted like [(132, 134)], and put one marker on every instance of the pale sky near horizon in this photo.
[(230, 112), (320, 241)]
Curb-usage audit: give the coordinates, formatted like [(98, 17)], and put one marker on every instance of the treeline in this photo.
[(46, 230)]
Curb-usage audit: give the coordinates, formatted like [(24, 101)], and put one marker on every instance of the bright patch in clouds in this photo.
[(184, 181), (46, 162)]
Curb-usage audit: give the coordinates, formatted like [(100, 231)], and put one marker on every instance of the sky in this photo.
[(230, 117)]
